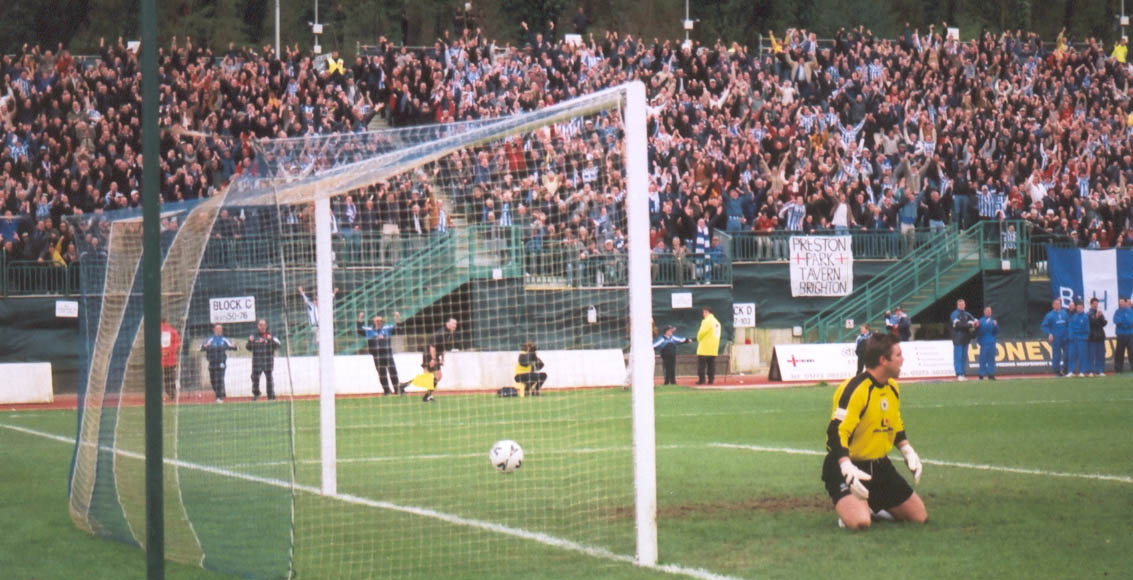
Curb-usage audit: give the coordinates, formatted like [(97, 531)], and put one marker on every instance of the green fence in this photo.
[(1037, 259), (356, 249), (30, 278)]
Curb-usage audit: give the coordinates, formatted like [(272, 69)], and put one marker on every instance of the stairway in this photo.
[(420, 280), (917, 281)]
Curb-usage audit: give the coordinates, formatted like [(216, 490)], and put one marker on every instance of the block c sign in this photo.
[(238, 309)]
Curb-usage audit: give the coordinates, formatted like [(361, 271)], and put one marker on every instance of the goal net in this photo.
[(347, 334)]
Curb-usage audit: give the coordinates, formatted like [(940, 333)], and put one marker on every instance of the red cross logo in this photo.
[(794, 362)]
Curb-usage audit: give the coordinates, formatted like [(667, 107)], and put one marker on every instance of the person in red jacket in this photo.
[(170, 349)]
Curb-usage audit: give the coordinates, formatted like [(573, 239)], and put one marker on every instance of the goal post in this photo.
[(641, 315), (324, 268), (311, 420)]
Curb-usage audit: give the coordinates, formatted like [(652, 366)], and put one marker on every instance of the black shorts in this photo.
[(887, 489)]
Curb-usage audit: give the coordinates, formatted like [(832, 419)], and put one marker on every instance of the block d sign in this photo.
[(225, 310)]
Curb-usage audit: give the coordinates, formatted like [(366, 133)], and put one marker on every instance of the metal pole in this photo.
[(151, 305), (686, 20), (278, 54)]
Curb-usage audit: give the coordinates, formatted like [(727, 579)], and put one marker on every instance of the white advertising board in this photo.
[(26, 383), (354, 374), (838, 361)]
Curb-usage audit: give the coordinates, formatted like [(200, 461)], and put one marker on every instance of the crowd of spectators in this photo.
[(858, 134)]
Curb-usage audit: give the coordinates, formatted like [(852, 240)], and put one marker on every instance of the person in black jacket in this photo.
[(216, 349), (262, 345), (1095, 342), (963, 326), (378, 338), (859, 347), (528, 370), (433, 357)]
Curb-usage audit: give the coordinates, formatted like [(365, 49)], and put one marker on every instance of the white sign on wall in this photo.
[(238, 309), (66, 309), (682, 299), (821, 266), (743, 315)]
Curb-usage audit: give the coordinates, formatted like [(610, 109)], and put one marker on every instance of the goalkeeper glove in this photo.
[(913, 462), (854, 478)]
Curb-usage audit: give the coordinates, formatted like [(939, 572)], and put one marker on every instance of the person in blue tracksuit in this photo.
[(1079, 331), (986, 334), (378, 342), (1123, 320), (1095, 343), (1055, 325), (216, 349), (666, 344), (963, 325)]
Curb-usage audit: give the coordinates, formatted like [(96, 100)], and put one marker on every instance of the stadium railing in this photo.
[(33, 278), (1037, 259), (867, 245)]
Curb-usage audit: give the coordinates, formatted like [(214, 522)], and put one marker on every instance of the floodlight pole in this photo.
[(151, 301), (685, 23), (277, 53)]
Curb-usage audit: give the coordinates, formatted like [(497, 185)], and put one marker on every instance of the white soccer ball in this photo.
[(506, 455)]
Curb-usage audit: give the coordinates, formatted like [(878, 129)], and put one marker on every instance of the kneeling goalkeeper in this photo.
[(866, 423)]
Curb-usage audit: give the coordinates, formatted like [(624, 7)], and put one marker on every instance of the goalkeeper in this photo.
[(865, 425)]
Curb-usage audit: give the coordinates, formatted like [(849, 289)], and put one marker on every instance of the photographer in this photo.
[(528, 370)]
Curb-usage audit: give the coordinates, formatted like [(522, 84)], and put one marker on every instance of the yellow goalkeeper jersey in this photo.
[(866, 420)]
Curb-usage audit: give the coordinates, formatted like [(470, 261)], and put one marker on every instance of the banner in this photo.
[(821, 266), (1015, 357), (1086, 274), (838, 361)]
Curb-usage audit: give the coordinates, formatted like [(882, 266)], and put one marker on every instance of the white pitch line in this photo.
[(1026, 471), (540, 537), (942, 463), (762, 448)]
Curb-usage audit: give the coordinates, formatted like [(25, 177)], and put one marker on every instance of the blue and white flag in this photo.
[(1086, 274)]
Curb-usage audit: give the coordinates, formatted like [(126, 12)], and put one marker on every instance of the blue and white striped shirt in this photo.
[(991, 203), (795, 214)]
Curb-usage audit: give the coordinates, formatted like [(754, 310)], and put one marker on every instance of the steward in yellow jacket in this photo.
[(708, 346)]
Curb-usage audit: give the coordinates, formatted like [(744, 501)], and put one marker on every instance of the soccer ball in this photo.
[(506, 455)]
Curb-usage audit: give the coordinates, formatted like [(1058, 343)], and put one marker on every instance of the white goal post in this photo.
[(641, 359)]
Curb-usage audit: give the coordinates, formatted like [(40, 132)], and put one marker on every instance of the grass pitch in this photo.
[(1023, 478)]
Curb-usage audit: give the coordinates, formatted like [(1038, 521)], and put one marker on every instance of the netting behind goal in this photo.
[(504, 245)]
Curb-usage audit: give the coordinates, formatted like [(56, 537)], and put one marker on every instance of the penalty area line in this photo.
[(540, 537)]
